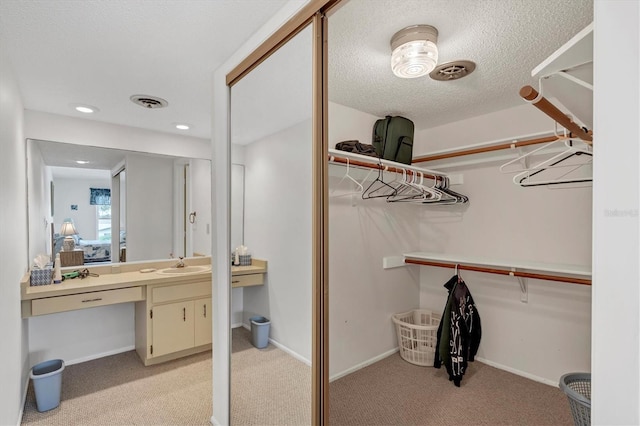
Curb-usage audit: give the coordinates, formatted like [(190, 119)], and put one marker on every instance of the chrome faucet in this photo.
[(180, 263)]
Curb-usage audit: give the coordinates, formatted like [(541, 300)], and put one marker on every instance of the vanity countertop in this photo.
[(123, 275)]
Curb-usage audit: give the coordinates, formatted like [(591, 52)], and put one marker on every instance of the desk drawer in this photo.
[(247, 280), (181, 291), (71, 302)]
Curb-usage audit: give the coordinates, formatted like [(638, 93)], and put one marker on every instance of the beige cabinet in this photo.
[(172, 328), (174, 321)]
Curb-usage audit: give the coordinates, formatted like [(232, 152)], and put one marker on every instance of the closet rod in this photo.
[(530, 94), (343, 160), (507, 145), (500, 271)]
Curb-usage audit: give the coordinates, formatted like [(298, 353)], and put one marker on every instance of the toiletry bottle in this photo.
[(236, 260), (57, 273)]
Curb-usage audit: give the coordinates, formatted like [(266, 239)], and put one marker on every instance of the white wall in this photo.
[(201, 204), (278, 229), (58, 128), (363, 296), (616, 322), (14, 355), (39, 203), (150, 203), (76, 191)]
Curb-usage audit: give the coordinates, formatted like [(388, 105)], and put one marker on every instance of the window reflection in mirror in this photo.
[(271, 135)]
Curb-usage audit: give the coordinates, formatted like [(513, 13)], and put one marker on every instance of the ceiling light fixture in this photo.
[(82, 162), (414, 51), (86, 109), (182, 126)]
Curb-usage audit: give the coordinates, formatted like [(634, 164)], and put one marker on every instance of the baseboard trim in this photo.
[(24, 400), (284, 348), (214, 422), (100, 355), (363, 364), (238, 324), (518, 372)]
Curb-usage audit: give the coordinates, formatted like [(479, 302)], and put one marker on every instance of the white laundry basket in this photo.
[(417, 335)]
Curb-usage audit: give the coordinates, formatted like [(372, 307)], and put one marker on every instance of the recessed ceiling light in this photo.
[(182, 126), (86, 109), (82, 162)]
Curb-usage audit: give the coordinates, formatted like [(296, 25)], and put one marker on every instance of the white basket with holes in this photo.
[(417, 335)]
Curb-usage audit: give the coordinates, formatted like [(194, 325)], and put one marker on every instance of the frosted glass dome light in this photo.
[(414, 51)]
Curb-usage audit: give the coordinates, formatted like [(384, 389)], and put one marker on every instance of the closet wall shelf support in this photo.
[(569, 274), (524, 289)]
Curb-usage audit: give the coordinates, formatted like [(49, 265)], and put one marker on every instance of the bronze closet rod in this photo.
[(530, 94), (358, 163), (480, 150), (500, 271)]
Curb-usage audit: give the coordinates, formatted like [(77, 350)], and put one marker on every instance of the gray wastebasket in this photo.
[(577, 387), (260, 331), (47, 383)]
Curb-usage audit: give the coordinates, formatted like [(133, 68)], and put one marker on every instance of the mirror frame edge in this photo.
[(315, 14)]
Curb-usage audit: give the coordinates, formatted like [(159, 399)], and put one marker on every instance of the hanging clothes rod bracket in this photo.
[(524, 289)]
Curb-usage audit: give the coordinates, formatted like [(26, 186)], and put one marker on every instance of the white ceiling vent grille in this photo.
[(452, 70), (150, 102)]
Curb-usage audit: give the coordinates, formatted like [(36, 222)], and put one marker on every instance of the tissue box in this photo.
[(245, 259), (42, 276)]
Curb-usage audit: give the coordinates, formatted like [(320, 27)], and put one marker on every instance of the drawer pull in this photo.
[(234, 282), (184, 314), (205, 310), (92, 300)]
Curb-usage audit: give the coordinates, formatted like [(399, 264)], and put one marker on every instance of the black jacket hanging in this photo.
[(459, 331)]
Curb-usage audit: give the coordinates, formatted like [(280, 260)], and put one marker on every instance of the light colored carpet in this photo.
[(395, 392), (268, 387), (271, 388), (120, 390)]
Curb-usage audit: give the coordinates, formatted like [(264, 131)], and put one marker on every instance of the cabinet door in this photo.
[(172, 327), (203, 321)]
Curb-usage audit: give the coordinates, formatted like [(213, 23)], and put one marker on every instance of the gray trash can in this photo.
[(260, 331), (47, 383)]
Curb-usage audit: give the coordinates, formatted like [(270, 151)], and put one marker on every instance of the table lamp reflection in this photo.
[(68, 230)]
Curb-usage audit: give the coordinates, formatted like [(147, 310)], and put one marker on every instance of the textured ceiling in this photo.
[(505, 38), (102, 52)]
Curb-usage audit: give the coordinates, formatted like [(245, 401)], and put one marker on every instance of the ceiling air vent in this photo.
[(452, 70), (150, 102)]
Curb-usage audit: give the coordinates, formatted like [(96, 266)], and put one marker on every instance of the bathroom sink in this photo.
[(193, 269)]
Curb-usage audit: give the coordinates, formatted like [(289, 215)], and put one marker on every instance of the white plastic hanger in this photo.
[(359, 188)]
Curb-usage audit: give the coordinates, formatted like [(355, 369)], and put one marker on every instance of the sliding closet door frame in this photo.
[(313, 13)]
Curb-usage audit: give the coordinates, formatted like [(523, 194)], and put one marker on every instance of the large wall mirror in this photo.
[(124, 205), (271, 135)]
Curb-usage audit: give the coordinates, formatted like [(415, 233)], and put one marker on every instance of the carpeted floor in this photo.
[(120, 390), (269, 387), (395, 392)]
